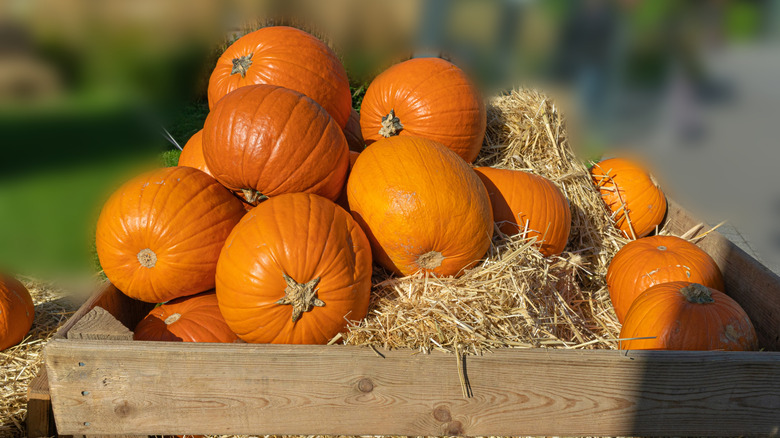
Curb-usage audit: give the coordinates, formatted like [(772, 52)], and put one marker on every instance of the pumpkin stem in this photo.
[(697, 294), (391, 125), (241, 64), (147, 258), (173, 318), (253, 197), (302, 297), (430, 260)]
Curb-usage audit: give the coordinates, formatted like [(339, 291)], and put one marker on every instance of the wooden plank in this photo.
[(104, 388), (40, 418), (98, 324), (750, 283)]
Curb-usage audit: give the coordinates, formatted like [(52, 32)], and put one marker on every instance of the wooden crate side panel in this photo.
[(136, 387), (751, 284)]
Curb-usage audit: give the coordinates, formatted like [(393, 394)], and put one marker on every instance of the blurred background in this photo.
[(88, 89)]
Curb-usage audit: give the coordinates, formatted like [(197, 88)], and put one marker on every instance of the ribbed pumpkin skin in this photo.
[(274, 141), (305, 237), (432, 98), (179, 214), (198, 320), (289, 58), (677, 324), (342, 201), (415, 198), (353, 134), (518, 197), (644, 200), (192, 153), (17, 311), (653, 260)]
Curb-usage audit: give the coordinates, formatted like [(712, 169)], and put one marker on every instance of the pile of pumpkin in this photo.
[(268, 229)]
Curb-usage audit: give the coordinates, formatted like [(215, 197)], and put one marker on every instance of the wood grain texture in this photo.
[(105, 388), (98, 324), (750, 283), (40, 418)]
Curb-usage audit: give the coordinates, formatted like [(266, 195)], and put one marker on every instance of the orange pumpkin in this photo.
[(652, 260), (287, 57), (17, 311), (422, 207), (342, 200), (159, 235), (190, 319), (425, 97), (293, 271), (265, 140), (522, 201), (352, 133), (192, 153), (687, 316), (637, 203)]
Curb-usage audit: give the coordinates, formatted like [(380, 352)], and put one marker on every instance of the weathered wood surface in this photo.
[(40, 418), (99, 324), (121, 387), (751, 284)]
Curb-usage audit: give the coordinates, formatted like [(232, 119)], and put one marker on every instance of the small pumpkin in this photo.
[(293, 271), (189, 319), (264, 140), (422, 206), (637, 203), (353, 134), (192, 153), (425, 97), (17, 311), (522, 201), (287, 57), (652, 260), (159, 235), (687, 316)]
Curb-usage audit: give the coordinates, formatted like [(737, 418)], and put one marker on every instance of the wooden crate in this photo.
[(102, 383)]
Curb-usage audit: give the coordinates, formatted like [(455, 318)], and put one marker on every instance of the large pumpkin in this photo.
[(17, 311), (289, 58), (159, 235), (293, 271), (423, 208), (353, 134), (637, 203), (687, 316), (192, 153), (190, 319), (525, 202), (342, 201), (425, 97), (653, 260), (265, 140)]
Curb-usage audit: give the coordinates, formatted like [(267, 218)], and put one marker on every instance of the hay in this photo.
[(20, 364), (515, 298)]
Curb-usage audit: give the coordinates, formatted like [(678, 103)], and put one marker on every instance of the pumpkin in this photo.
[(294, 271), (522, 201), (422, 207), (425, 97), (352, 133), (342, 200), (652, 260), (287, 57), (190, 319), (192, 153), (159, 235), (17, 311), (264, 140), (680, 315), (637, 203)]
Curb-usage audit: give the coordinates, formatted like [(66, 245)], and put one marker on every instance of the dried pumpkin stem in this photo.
[(697, 294), (173, 318), (241, 65), (391, 125), (253, 197), (147, 258), (430, 260), (302, 297)]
